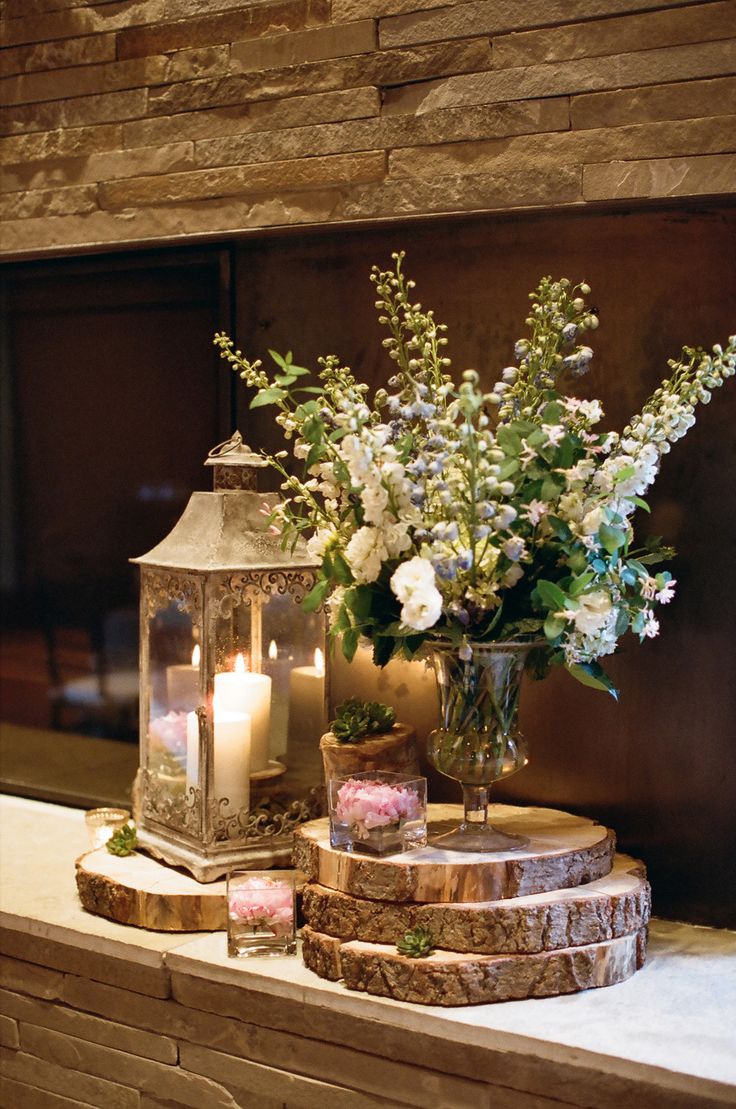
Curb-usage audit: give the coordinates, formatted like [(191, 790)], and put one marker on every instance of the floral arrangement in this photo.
[(356, 719), (263, 903), (444, 512), (364, 805)]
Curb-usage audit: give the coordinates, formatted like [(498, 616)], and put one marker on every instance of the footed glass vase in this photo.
[(478, 741)]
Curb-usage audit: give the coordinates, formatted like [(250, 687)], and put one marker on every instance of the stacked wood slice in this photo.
[(563, 914)]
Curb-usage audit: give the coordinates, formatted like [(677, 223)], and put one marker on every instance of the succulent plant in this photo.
[(124, 841), (356, 719), (417, 943)]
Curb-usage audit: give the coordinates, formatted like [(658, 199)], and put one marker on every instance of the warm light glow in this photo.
[(319, 663), (273, 651), (240, 667), (196, 654)]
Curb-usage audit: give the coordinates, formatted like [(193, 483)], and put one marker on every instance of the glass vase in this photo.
[(478, 741)]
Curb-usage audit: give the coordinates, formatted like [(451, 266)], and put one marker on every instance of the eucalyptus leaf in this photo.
[(593, 675)]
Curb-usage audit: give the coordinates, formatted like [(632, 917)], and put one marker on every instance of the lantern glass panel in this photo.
[(173, 692)]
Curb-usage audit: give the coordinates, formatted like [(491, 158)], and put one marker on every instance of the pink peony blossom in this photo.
[(365, 805), (263, 903)]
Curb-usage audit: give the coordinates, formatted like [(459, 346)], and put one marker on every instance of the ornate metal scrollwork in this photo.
[(269, 820), (176, 808), (159, 590), (260, 585)]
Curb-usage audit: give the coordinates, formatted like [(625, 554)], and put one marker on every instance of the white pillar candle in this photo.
[(240, 690), (231, 756), (307, 701), (277, 667), (182, 684)]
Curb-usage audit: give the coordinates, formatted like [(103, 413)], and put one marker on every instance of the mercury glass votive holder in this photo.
[(378, 813), (261, 913), (103, 823)]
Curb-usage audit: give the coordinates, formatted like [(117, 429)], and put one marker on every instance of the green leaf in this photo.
[(599, 566), (593, 675), (341, 570), (554, 626), (550, 595), (309, 389), (267, 396), (611, 538), (285, 379), (383, 648), (359, 600), (559, 527), (624, 474), (622, 621), (507, 469), (580, 583), (316, 596), (350, 643), (508, 441), (551, 486), (640, 503)]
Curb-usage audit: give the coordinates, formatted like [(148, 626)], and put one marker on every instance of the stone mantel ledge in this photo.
[(670, 1027)]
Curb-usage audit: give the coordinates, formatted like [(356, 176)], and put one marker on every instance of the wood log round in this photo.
[(616, 905), (563, 851), (447, 978), (146, 893), (394, 751)]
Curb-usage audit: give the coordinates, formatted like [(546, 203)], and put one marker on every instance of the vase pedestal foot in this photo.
[(478, 840)]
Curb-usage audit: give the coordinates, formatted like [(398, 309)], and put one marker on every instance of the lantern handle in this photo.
[(234, 464)]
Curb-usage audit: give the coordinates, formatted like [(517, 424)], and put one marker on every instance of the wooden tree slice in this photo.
[(563, 851), (141, 891), (448, 978), (616, 905)]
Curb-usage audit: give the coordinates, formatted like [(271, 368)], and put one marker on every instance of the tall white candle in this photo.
[(182, 684), (231, 755), (277, 667), (307, 701), (239, 690)]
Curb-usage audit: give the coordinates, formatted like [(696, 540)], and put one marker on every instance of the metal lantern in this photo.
[(233, 682)]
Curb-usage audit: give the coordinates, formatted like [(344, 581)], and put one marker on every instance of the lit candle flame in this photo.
[(196, 654), (319, 663), (240, 667), (273, 651)]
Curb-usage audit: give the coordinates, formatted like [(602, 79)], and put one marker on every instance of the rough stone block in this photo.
[(661, 177), (493, 17), (56, 55), (142, 1074), (85, 20), (311, 45), (345, 10), (9, 1032), (68, 1081), (107, 108), (251, 21), (18, 1095), (384, 68), (697, 136), (645, 67), (266, 115), (647, 30), (203, 61), (239, 180), (48, 202), (680, 100), (30, 979), (484, 121), (510, 189), (385, 1084), (97, 167), (61, 84), (145, 975), (70, 143), (96, 1030)]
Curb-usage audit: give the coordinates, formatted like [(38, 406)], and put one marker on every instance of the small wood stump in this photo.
[(395, 751), (138, 890), (448, 978), (605, 909), (563, 851)]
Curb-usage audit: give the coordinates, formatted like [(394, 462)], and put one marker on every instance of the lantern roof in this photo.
[(228, 529)]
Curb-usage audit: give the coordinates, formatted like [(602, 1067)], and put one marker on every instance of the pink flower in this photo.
[(264, 903), (365, 805), (169, 733)]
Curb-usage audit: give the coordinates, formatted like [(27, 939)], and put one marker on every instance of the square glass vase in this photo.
[(261, 913), (377, 813)]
